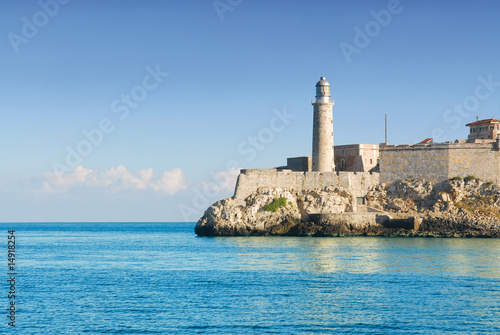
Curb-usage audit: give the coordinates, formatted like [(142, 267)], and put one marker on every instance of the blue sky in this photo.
[(204, 78)]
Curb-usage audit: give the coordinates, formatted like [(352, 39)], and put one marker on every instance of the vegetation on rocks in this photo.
[(275, 204), (471, 178)]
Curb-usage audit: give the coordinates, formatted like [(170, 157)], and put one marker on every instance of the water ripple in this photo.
[(161, 279)]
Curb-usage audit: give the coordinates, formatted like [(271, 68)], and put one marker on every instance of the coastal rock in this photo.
[(233, 217), (456, 207), (249, 216)]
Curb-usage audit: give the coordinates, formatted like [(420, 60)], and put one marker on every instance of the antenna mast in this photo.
[(386, 126)]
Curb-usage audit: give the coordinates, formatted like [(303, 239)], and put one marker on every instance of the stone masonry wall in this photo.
[(436, 162), (322, 150), (479, 160), (250, 180), (439, 162), (413, 161)]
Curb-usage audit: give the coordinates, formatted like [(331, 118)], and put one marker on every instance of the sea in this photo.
[(160, 278)]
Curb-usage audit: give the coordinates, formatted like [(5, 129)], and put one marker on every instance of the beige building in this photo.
[(356, 157), (488, 129), (350, 158)]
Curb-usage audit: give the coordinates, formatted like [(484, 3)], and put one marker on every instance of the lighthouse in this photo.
[(322, 153)]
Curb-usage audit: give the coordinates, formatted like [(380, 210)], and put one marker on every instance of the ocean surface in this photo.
[(159, 278)]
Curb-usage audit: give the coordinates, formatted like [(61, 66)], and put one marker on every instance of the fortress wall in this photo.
[(439, 162), (436, 162), (250, 180), (473, 159), (413, 161)]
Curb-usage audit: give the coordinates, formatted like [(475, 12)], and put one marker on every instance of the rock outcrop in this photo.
[(457, 207)]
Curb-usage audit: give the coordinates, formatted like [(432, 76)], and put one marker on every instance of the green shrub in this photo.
[(275, 204), (456, 178), (470, 178)]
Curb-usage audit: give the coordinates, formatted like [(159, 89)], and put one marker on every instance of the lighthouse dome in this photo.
[(322, 82), (323, 89)]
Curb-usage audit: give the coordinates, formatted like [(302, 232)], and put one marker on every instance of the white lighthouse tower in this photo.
[(322, 155)]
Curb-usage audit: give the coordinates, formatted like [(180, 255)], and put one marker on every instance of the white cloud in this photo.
[(228, 179), (223, 181), (116, 179)]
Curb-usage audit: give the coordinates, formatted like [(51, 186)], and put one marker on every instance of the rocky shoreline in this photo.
[(457, 207)]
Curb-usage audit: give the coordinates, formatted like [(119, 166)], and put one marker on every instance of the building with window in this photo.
[(488, 129), (356, 157)]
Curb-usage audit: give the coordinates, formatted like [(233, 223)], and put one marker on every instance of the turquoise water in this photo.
[(159, 278)]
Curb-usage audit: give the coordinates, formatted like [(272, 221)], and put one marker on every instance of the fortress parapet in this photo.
[(439, 161), (250, 180)]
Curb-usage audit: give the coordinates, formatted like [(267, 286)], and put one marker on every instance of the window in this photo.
[(342, 164), (371, 161)]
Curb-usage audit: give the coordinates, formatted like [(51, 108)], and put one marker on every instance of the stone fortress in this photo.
[(367, 189), (360, 166)]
